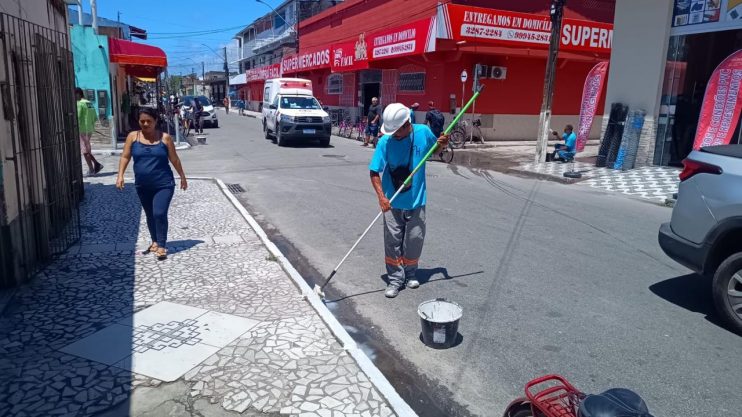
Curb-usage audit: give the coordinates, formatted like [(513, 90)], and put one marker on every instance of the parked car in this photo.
[(209, 117), (705, 233), (290, 112)]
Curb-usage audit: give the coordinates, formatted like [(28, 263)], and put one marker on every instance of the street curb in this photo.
[(400, 407)]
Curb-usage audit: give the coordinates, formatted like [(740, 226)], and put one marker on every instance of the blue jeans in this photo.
[(155, 203)]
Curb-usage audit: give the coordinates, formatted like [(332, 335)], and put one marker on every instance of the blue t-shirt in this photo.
[(570, 141), (398, 152)]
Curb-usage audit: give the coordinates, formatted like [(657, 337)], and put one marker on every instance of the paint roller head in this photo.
[(319, 292)]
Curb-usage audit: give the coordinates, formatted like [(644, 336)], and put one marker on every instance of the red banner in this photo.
[(524, 29), (350, 56), (721, 104), (263, 73), (591, 93), (306, 61), (410, 39)]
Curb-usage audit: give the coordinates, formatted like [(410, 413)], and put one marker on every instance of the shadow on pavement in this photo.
[(64, 331), (692, 292), (458, 341), (175, 246)]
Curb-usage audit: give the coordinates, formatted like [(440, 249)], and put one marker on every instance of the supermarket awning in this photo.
[(138, 59)]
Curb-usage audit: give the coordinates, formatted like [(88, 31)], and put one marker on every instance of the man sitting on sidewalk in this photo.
[(564, 152)]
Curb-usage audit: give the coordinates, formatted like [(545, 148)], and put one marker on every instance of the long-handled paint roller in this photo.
[(319, 289)]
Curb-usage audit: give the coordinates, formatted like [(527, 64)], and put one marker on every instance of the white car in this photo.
[(208, 117)]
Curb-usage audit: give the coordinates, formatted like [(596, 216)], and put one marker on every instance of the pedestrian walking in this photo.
[(241, 105), (373, 118), (413, 109), (434, 119), (400, 149), (86, 117), (198, 110), (226, 104), (153, 152)]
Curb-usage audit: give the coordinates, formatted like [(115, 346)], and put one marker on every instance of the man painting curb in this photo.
[(400, 149)]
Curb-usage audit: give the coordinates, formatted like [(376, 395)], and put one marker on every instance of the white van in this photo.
[(290, 112)]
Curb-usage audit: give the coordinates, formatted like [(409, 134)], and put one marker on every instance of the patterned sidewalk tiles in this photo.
[(656, 184), (220, 315)]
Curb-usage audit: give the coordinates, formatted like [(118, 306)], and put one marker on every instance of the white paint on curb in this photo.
[(400, 407)]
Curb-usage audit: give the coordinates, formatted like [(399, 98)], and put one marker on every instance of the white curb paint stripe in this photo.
[(400, 407)]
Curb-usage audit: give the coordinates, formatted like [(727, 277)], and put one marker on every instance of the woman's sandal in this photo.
[(152, 248), (161, 254)]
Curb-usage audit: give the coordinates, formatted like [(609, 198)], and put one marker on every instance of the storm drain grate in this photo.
[(235, 188), (333, 156)]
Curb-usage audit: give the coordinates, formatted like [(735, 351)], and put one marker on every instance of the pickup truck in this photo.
[(705, 232)]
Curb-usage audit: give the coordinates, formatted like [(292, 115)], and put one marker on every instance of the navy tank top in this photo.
[(151, 165)]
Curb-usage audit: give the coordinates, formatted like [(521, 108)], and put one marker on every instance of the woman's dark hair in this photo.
[(78, 90), (149, 111)]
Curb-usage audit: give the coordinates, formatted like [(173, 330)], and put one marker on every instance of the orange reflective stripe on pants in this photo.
[(392, 261)]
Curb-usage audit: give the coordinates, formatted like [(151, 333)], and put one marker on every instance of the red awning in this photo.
[(132, 53)]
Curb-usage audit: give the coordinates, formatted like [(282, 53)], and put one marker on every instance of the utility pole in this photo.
[(193, 80), (94, 14), (203, 78), (226, 75), (118, 17), (556, 11)]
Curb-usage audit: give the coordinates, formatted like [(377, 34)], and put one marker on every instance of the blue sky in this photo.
[(166, 20)]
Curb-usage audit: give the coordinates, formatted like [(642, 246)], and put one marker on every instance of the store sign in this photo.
[(722, 104), (306, 61), (524, 29), (263, 73), (695, 12), (350, 56), (591, 93), (699, 16), (410, 39)]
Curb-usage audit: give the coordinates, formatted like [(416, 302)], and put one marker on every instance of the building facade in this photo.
[(416, 52), (40, 169), (664, 53), (108, 66), (265, 42)]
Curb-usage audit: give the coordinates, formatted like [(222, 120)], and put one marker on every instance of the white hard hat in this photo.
[(395, 116)]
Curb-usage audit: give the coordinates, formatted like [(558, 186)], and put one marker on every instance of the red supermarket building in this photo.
[(415, 51)]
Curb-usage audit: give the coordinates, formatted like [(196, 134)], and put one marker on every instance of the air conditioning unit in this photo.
[(498, 73)]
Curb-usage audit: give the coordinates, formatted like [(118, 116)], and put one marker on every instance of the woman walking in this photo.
[(153, 151)]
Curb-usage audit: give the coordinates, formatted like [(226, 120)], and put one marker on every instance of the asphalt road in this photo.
[(552, 278)]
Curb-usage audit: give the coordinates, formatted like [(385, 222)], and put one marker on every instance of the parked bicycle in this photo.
[(465, 130)]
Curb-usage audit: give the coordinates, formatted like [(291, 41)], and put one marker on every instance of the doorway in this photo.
[(369, 91), (691, 60)]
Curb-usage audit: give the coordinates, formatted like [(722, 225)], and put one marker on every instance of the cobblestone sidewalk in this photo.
[(217, 329)]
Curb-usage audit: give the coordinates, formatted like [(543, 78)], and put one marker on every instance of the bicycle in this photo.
[(344, 128), (461, 131), (361, 125), (446, 154)]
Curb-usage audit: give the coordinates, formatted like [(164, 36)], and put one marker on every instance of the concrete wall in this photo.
[(40, 12), (641, 33)]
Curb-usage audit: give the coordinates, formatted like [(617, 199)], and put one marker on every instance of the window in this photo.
[(412, 81), (299, 102), (335, 84)]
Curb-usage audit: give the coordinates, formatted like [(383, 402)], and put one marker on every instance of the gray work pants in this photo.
[(404, 233)]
